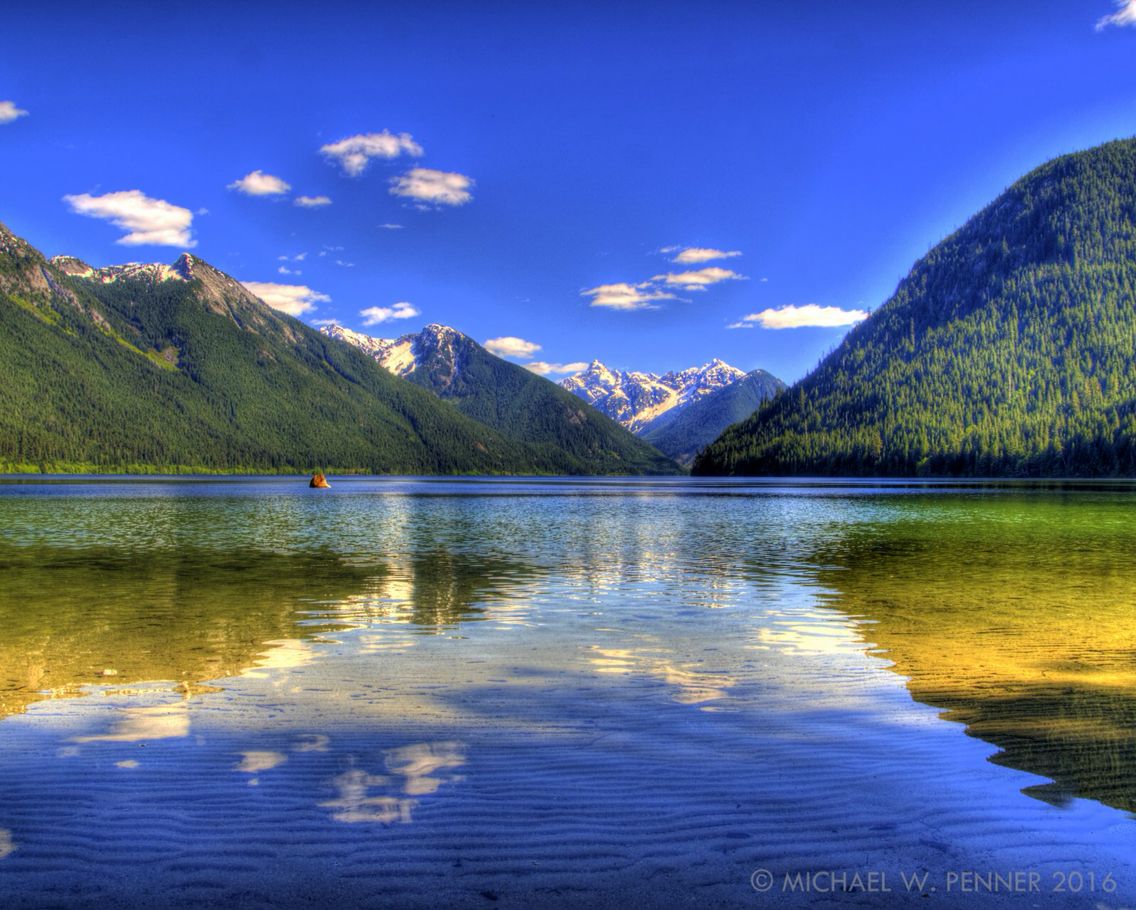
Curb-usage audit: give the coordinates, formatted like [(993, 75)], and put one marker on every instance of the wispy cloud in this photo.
[(293, 299), (624, 296), (391, 227), (373, 315), (797, 317), (9, 112), (354, 153), (692, 255), (259, 183), (1125, 15), (431, 187), (541, 368), (511, 346), (700, 279), (299, 257), (284, 270), (148, 222), (312, 202)]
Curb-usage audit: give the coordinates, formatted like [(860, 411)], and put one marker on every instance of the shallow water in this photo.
[(422, 692)]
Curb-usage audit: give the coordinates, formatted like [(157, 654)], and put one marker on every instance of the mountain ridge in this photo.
[(635, 398), (183, 368), (507, 397), (1009, 349)]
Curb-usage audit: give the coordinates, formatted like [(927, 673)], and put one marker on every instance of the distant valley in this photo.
[(677, 412)]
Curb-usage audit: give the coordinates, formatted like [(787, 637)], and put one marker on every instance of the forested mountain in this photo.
[(180, 367), (511, 399), (1010, 349), (682, 432)]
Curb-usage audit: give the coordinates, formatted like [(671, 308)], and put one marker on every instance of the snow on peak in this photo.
[(402, 355), (633, 398), (134, 271)]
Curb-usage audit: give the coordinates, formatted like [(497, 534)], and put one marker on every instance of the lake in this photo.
[(423, 692)]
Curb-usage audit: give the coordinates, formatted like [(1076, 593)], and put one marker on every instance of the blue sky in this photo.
[(536, 171)]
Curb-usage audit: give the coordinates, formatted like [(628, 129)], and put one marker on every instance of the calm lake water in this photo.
[(566, 693)]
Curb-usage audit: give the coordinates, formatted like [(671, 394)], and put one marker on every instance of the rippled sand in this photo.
[(581, 695)]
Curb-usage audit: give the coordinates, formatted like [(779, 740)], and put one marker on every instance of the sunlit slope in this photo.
[(182, 368), (1009, 349)]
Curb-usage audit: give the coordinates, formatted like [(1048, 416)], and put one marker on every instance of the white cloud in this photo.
[(153, 222), (312, 202), (284, 270), (1125, 15), (433, 187), (354, 153), (325, 322), (624, 296), (391, 227), (9, 112), (259, 183), (796, 317), (544, 369), (511, 346), (299, 257), (695, 254), (373, 315), (293, 299), (699, 280)]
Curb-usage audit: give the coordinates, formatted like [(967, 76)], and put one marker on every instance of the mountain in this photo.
[(511, 399), (1010, 349), (684, 431), (179, 367), (634, 399)]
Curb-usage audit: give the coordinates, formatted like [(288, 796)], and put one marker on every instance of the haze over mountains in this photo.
[(180, 367), (1010, 349)]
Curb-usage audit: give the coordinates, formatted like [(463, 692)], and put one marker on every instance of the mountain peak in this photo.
[(634, 398), (71, 265)]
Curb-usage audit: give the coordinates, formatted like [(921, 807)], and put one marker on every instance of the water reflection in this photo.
[(1017, 616), (412, 771), (7, 845), (257, 760), (691, 685), (437, 590), (71, 614), (142, 724)]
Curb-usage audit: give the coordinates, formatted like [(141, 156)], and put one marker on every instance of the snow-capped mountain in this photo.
[(181, 270), (221, 293), (435, 344), (509, 398), (634, 399)]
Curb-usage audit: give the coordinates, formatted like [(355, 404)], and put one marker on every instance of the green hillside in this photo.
[(148, 374), (682, 432), (1010, 349)]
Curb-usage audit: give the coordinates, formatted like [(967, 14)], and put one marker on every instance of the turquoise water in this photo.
[(414, 692)]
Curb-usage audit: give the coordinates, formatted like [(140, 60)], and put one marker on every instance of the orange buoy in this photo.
[(319, 482)]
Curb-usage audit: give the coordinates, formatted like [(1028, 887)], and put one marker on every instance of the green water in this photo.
[(526, 645)]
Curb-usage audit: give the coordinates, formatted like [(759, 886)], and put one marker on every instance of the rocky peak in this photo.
[(71, 265), (635, 398)]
